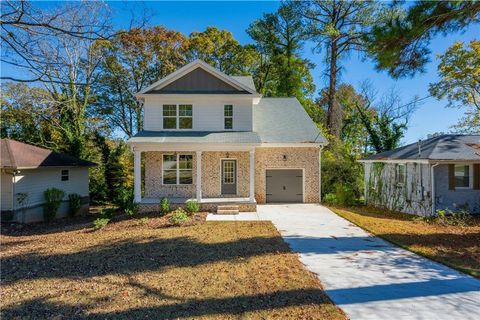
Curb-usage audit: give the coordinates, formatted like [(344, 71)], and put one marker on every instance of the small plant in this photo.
[(144, 221), (53, 199), (330, 198), (345, 195), (74, 203), (164, 206), (100, 223), (107, 213), (448, 217), (123, 198), (131, 209), (192, 206), (178, 217)]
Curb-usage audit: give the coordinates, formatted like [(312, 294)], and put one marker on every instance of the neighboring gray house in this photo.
[(27, 171), (212, 137), (402, 179)]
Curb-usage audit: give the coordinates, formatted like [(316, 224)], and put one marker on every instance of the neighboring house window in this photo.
[(65, 175), (401, 172), (169, 116), (228, 116), (462, 176), (177, 169), (185, 116)]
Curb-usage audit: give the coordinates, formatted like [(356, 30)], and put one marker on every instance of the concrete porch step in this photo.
[(227, 209)]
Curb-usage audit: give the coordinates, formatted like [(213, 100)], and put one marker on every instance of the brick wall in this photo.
[(296, 158)]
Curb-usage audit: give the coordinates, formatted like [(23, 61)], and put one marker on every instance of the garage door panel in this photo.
[(284, 185)]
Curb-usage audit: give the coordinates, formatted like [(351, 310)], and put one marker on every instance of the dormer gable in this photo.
[(198, 77)]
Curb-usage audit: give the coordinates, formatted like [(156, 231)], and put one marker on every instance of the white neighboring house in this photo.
[(27, 171)]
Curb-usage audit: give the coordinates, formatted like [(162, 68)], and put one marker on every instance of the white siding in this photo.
[(34, 182), (207, 112), (6, 186)]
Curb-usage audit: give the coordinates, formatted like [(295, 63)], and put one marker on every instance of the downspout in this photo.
[(320, 174), (432, 176)]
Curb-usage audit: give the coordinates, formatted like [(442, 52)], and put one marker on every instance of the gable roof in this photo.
[(18, 155), (284, 120), (444, 147), (227, 80)]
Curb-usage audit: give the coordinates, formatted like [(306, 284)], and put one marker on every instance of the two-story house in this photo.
[(212, 137)]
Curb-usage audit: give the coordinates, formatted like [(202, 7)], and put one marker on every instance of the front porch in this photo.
[(201, 175)]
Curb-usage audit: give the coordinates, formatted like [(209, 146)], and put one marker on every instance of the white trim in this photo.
[(198, 160), (399, 161), (287, 168), (190, 67), (236, 175), (252, 175), (137, 171), (177, 155), (432, 181), (291, 145)]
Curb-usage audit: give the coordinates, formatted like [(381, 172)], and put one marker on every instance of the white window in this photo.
[(64, 175), (401, 173), (228, 116), (177, 119), (177, 169), (462, 176), (169, 116), (229, 172)]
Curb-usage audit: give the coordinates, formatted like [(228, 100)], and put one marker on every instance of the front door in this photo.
[(229, 176)]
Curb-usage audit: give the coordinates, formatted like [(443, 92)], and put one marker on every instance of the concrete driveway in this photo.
[(367, 277)]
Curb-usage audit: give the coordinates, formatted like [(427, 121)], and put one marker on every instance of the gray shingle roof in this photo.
[(245, 80), (284, 120), (234, 137), (445, 147)]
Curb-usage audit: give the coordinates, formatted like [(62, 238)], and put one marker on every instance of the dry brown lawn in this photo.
[(455, 246), (133, 270)]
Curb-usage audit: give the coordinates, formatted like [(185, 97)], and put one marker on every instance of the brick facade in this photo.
[(296, 158), (265, 158)]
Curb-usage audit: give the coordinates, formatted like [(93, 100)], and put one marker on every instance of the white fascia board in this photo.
[(424, 161), (291, 145), (189, 67), (198, 96), (187, 147)]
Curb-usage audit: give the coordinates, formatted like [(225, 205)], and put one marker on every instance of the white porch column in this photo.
[(252, 175), (199, 176), (137, 171)]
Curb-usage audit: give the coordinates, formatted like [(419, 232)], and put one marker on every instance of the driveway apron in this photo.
[(368, 277)]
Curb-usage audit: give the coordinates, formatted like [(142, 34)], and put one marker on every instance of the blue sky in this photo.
[(187, 17)]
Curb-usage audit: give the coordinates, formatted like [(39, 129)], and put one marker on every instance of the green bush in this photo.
[(107, 213), (345, 195), (164, 206), (330, 198), (192, 206), (123, 198), (53, 199), (178, 217), (131, 209), (449, 218), (74, 203), (100, 223)]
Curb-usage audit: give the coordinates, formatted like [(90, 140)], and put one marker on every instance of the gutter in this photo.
[(432, 176)]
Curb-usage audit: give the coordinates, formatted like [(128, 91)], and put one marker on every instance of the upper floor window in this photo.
[(401, 173), (177, 119), (228, 116), (462, 176), (177, 169), (64, 175)]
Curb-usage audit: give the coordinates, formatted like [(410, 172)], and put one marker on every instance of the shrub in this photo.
[(100, 223), (330, 198), (192, 206), (53, 198), (164, 206), (107, 213), (131, 209), (74, 203), (123, 198), (448, 217), (345, 195), (178, 217)]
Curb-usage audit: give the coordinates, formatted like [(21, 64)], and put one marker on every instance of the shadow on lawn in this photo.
[(42, 308), (140, 255)]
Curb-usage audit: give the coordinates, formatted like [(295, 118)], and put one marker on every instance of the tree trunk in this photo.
[(334, 112)]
